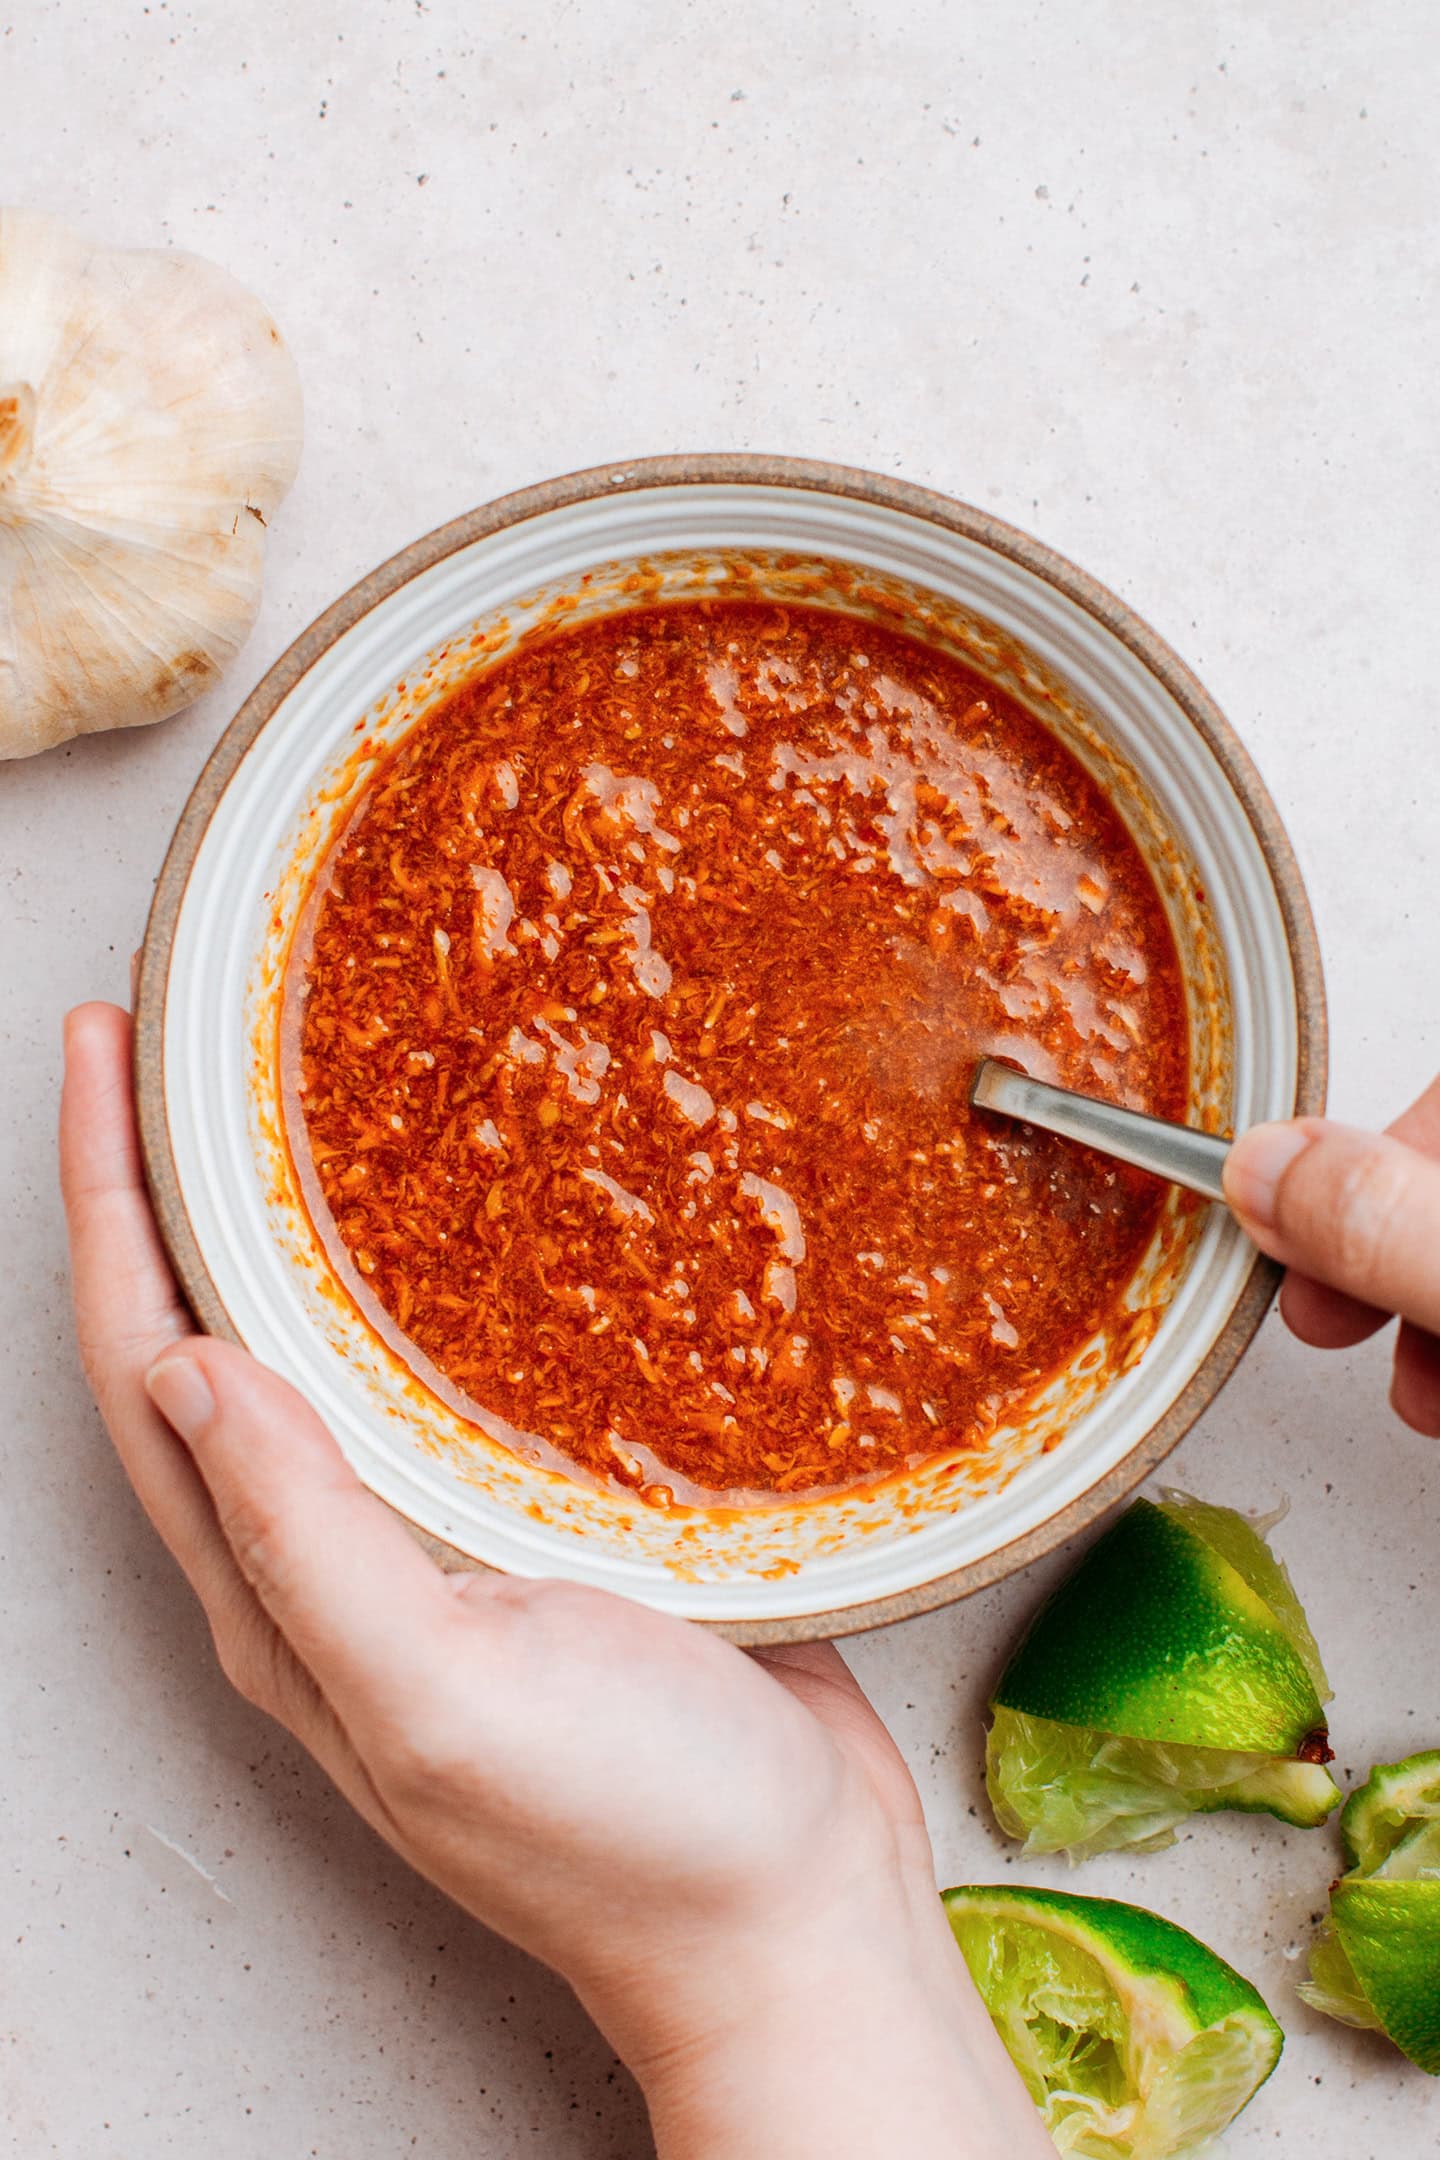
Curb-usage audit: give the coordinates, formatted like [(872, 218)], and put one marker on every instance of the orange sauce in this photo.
[(631, 1037)]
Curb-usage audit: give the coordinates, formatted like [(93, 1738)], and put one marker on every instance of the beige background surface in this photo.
[(1156, 282)]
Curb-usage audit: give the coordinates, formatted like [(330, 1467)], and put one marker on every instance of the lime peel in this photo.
[(1376, 1963), (1244, 1541), (1157, 1636), (1135, 2041), (1172, 1673), (1392, 1821)]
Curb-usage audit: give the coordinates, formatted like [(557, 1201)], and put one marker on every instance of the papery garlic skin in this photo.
[(150, 423)]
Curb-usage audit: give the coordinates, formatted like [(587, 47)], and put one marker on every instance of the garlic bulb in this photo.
[(150, 422)]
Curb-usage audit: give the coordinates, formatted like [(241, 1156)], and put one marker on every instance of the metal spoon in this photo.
[(1177, 1152)]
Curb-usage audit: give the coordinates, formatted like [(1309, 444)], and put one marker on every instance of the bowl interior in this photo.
[(238, 880)]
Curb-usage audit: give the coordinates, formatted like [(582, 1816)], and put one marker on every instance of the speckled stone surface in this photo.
[(1156, 284)]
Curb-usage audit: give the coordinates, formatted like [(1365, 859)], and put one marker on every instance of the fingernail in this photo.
[(181, 1393), (1257, 1163)]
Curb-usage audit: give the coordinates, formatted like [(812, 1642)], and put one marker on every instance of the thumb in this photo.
[(1358, 1210), (340, 1576)]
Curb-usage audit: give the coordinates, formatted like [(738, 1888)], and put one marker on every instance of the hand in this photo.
[(723, 1853), (1355, 1217)]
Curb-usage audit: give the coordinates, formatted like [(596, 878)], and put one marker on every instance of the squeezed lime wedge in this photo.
[(1376, 1963), (1173, 1673), (1134, 2040)]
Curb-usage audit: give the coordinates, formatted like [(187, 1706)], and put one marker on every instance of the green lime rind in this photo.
[(1137, 1950), (1397, 1806), (1244, 1544), (1390, 1934), (1376, 1964), (1067, 1788), (1301, 1793), (1157, 1636), (1135, 2041)]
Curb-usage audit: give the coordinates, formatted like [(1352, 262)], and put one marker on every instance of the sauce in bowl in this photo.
[(629, 1042)]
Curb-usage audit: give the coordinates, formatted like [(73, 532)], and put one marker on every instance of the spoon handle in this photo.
[(1177, 1152)]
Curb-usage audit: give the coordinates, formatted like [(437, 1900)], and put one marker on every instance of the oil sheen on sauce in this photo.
[(630, 1035)]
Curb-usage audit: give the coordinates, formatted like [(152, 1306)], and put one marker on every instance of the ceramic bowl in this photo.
[(289, 768)]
